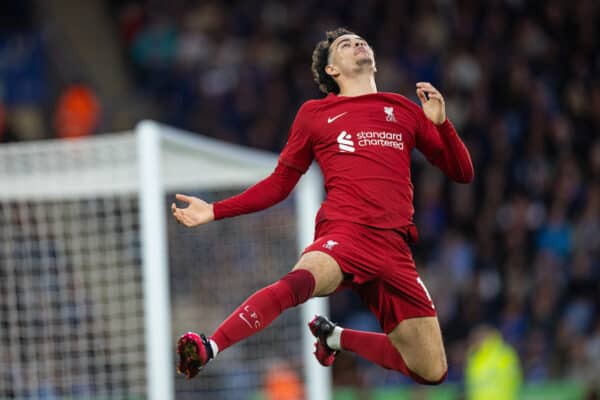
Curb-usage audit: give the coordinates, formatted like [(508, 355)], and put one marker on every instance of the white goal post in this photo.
[(77, 213)]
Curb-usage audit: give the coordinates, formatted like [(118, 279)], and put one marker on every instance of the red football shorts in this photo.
[(378, 265)]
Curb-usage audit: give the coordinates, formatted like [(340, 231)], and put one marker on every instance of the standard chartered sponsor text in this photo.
[(382, 138)]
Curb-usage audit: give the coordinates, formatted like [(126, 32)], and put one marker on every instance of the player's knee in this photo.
[(327, 273), (430, 370), (434, 373), (300, 282)]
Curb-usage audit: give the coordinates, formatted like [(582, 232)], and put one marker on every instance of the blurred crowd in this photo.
[(520, 247), (34, 102)]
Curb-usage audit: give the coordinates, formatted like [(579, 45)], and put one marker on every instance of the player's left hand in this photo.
[(198, 212), (432, 102)]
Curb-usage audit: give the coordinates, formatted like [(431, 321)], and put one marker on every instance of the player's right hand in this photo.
[(197, 212)]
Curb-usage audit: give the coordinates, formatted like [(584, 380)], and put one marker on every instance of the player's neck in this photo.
[(358, 85)]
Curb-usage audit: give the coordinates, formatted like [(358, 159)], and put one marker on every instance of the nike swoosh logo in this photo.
[(331, 119), (245, 320)]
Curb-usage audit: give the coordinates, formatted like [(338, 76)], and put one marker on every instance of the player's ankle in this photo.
[(334, 340), (214, 347)]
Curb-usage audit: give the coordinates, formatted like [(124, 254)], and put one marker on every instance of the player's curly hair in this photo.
[(320, 59)]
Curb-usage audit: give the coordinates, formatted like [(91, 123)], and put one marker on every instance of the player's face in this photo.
[(351, 52)]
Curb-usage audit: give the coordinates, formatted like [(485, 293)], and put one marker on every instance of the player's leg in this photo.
[(413, 348), (315, 274), (412, 343)]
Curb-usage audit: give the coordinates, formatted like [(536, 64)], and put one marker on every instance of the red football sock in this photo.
[(377, 348), (260, 309)]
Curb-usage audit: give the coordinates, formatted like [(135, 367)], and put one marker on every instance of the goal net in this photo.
[(97, 281)]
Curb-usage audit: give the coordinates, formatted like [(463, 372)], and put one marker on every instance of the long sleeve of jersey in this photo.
[(442, 146), (266, 193)]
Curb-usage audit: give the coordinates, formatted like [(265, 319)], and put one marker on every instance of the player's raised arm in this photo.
[(294, 160), (437, 138)]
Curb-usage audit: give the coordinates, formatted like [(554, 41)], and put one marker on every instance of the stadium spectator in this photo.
[(283, 383), (493, 370), (77, 112)]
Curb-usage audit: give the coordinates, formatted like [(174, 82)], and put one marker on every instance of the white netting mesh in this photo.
[(71, 305), (71, 292)]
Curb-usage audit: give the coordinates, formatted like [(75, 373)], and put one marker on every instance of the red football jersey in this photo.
[(363, 145)]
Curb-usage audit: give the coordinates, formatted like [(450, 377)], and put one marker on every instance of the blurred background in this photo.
[(518, 250)]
